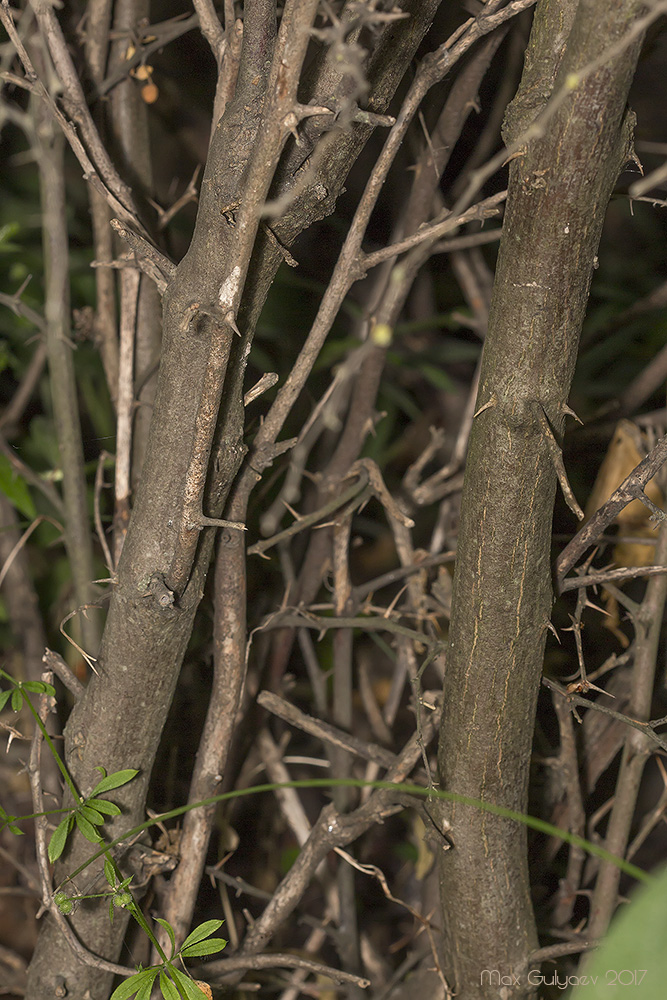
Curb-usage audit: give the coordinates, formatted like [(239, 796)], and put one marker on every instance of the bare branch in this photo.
[(632, 488), (324, 731), (215, 969)]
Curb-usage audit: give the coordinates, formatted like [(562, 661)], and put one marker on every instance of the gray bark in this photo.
[(119, 720), (560, 184)]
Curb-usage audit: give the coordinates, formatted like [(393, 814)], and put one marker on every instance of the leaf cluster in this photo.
[(173, 983), (91, 812)]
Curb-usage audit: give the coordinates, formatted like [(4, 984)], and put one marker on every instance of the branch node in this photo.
[(158, 589)]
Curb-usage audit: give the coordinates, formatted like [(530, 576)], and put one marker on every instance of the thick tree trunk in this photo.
[(560, 184), (119, 720)]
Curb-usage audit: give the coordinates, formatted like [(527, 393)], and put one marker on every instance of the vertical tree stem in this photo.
[(559, 189), (78, 538)]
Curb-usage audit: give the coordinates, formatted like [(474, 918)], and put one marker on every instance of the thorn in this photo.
[(559, 466), (514, 156), (295, 515), (570, 413), (290, 122), (302, 111), (589, 604), (230, 319), (549, 625), (266, 382), (487, 406)]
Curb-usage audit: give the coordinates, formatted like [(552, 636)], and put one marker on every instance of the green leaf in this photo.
[(134, 983), (633, 953), (39, 687), (4, 698), (7, 231), (59, 837), (17, 699), (109, 873), (87, 829), (92, 815), (15, 489), (15, 830), (114, 780), (208, 947), (203, 931), (169, 991), (170, 931), (104, 806), (146, 989), (188, 985)]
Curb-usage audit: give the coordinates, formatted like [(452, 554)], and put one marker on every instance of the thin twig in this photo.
[(428, 74), (554, 951), (298, 618), (611, 575), (332, 830), (324, 731), (40, 519), (235, 963), (632, 488), (37, 798), (485, 209), (35, 86), (357, 490), (15, 409), (646, 728), (468, 241), (77, 106), (54, 661), (148, 256), (161, 34), (565, 896), (229, 661)]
